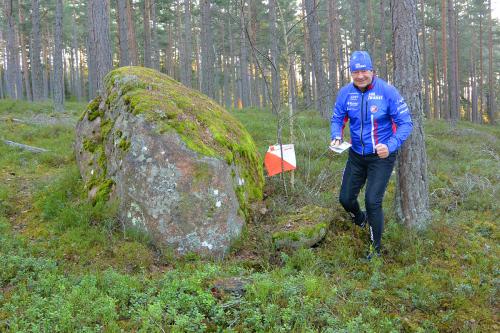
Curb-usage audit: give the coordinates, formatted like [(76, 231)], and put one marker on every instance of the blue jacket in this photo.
[(378, 115)]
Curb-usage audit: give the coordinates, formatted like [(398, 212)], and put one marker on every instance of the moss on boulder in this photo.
[(148, 122), (303, 228)]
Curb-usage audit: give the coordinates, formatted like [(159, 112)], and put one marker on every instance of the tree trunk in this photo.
[(207, 53), (481, 68), (412, 197), (147, 33), (169, 61), (332, 42), (154, 38), (14, 90), (474, 100), (78, 85), (121, 13), (357, 27), (435, 72), (244, 77), (446, 107), (131, 39), (24, 56), (383, 43), (99, 43), (232, 65), (58, 94), (46, 69), (322, 97), (186, 47), (307, 62), (275, 69), (491, 95), (370, 46), (425, 72), (226, 67), (452, 74)]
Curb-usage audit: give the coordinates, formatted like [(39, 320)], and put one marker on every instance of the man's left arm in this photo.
[(401, 117)]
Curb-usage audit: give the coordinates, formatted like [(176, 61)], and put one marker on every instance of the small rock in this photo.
[(302, 229), (234, 286)]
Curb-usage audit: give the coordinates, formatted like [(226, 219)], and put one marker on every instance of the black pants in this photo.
[(375, 172)]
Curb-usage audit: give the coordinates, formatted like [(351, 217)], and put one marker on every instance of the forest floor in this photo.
[(67, 266)]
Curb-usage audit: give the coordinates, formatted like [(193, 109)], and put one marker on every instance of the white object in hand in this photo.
[(341, 148)]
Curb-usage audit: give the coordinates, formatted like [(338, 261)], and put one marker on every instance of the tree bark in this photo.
[(75, 48), (186, 47), (99, 43), (474, 99), (207, 53), (58, 94), (121, 13), (232, 64), (307, 62), (412, 197), (357, 27), (425, 72), (24, 56), (275, 66), (131, 38), (481, 68), (383, 42), (169, 61), (244, 77), (435, 72), (154, 39), (446, 108), (322, 97), (332, 42), (491, 95), (452, 69), (147, 33), (14, 89)]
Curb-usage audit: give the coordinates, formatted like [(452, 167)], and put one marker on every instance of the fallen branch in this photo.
[(25, 147), (7, 119)]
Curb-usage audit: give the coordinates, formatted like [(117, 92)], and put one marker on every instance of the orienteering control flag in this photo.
[(273, 159)]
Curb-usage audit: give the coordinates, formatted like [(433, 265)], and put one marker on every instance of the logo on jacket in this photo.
[(373, 109), (372, 95)]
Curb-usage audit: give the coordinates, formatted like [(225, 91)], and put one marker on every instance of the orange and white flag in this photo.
[(273, 160)]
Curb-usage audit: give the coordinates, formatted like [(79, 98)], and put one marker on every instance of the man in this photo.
[(379, 123)]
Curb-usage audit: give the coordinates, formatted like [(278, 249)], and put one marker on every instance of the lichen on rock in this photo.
[(177, 161)]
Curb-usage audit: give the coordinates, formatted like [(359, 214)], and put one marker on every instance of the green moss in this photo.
[(93, 110), (124, 144), (104, 190), (302, 225), (302, 233), (106, 126), (89, 145)]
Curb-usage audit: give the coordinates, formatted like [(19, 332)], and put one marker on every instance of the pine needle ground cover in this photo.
[(69, 266)]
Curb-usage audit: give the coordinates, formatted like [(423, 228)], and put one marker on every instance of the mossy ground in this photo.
[(67, 266)]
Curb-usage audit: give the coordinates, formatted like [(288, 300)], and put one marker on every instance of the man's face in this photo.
[(362, 78)]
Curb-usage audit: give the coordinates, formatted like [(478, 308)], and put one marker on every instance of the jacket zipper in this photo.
[(362, 121)]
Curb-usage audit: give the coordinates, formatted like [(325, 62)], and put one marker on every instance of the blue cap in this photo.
[(360, 61)]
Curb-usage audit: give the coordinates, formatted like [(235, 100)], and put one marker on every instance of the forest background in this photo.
[(235, 52)]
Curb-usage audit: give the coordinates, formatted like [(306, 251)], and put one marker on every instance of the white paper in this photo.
[(341, 148)]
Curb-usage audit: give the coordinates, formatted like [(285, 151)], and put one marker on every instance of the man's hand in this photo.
[(382, 150), (335, 142)]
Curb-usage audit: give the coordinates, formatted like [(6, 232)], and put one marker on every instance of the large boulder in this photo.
[(182, 169)]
